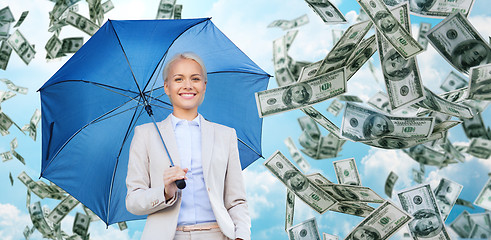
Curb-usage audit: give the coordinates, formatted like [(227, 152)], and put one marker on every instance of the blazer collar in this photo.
[(167, 132)]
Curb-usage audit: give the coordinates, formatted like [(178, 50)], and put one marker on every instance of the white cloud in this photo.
[(12, 222), (260, 187)]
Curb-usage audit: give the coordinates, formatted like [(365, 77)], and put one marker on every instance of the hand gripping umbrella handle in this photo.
[(180, 183)]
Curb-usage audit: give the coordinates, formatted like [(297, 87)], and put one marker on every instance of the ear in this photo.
[(166, 88)]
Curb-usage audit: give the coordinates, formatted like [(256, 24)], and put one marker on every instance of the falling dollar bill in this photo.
[(390, 182), (362, 124), (440, 8), (402, 79), (21, 19), (480, 148), (417, 176), (446, 193), (392, 30), (420, 202), (349, 98), (459, 43), (326, 236), (281, 60), (336, 35), (96, 13), (380, 101), (304, 230), (289, 24), (53, 46), (317, 179), (166, 7), (72, 45), (462, 225), (322, 120), (434, 102), (178, 11), (463, 202), (13, 87), (453, 82), (480, 82), (302, 94), (382, 223), (38, 219), (81, 23), (107, 6), (356, 209), (475, 128), (21, 46), (423, 29), (309, 126), (426, 155), (479, 232), (335, 107), (294, 180), (297, 157), (62, 209), (290, 209), (32, 186), (350, 193), (328, 12), (360, 56), (6, 156), (328, 147), (81, 224), (347, 172), (5, 52)]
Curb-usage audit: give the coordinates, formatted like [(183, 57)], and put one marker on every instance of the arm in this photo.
[(235, 195), (141, 199)]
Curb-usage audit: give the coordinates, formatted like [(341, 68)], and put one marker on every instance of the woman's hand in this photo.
[(170, 176)]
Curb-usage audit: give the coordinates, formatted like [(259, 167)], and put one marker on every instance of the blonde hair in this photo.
[(184, 55)]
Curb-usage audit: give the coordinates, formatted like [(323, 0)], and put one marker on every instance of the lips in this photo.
[(187, 95)]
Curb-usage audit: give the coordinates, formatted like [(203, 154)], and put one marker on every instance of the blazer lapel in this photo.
[(167, 132), (207, 139)]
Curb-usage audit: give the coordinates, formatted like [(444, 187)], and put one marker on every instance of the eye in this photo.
[(196, 79), (178, 79)]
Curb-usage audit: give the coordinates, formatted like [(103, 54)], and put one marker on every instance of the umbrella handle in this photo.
[(180, 183)]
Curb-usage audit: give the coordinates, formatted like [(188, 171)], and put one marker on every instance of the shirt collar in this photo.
[(177, 121)]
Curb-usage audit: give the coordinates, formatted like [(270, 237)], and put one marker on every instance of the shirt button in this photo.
[(208, 189)]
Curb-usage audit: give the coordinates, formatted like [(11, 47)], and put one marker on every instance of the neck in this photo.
[(186, 114)]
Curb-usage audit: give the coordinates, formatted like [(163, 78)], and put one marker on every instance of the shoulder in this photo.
[(220, 128), (144, 127)]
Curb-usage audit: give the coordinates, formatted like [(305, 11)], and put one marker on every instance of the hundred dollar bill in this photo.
[(289, 24), (349, 98), (309, 71), (308, 125), (32, 186), (59, 9), (95, 11), (81, 23), (326, 236), (62, 209), (289, 37), (317, 179), (390, 182), (463, 202), (480, 148), (423, 29), (351, 208), (391, 29), (335, 107), (14, 144), (11, 179), (382, 223), (322, 120), (417, 176), (380, 101), (166, 7), (402, 79), (178, 11), (459, 43), (302, 94), (304, 230), (440, 8), (462, 225), (479, 232), (480, 83), (290, 208), (453, 82), (81, 224), (92, 216), (344, 48), (281, 62), (446, 193), (482, 219), (329, 147), (349, 193), (426, 155), (475, 128), (450, 149), (72, 45), (420, 202), (13, 87), (347, 172), (21, 46), (4, 30), (5, 52), (53, 46), (21, 19), (297, 157), (362, 124), (122, 226), (434, 102), (329, 13), (38, 220), (6, 15), (18, 156), (294, 180), (361, 55), (107, 6), (6, 156)]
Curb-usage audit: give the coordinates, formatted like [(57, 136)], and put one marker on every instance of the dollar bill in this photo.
[(426, 155), (4, 30), (309, 126), (5, 52), (6, 15), (336, 35), (38, 219), (475, 128), (351, 208), (21, 19), (32, 186), (350, 193), (82, 23), (290, 209), (480, 148), (459, 43), (21, 46), (53, 46), (289, 37), (81, 224), (349, 98), (96, 13), (380, 101), (31, 127), (453, 82), (328, 12), (329, 147), (289, 24), (317, 179), (326, 236), (335, 107), (462, 225), (452, 151), (322, 120), (294, 180), (344, 48), (309, 71), (463, 202), (361, 55), (13, 87), (165, 10), (297, 66), (362, 124), (92, 216), (178, 11), (440, 8), (122, 226), (6, 156), (62, 209), (390, 182), (446, 193), (436, 103), (347, 172), (281, 62), (402, 79), (391, 29), (302, 94), (381, 224), (417, 176), (297, 157), (72, 45), (479, 232), (420, 202), (423, 29), (480, 82), (60, 8), (108, 6), (304, 230), (18, 156)]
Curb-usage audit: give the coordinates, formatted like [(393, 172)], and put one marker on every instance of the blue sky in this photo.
[(245, 24)]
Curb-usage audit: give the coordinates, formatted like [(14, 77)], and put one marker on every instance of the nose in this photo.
[(187, 83)]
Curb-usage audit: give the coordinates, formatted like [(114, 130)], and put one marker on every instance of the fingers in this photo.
[(174, 173)]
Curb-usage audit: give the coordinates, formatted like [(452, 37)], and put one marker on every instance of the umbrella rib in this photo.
[(240, 140), (240, 72), (95, 83)]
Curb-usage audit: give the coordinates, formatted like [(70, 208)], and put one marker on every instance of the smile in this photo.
[(187, 95)]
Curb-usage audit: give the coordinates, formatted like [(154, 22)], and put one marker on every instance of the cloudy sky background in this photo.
[(245, 24)]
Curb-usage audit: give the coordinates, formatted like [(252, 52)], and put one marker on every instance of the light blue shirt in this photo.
[(195, 203)]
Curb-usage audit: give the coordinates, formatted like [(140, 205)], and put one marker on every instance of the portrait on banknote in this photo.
[(340, 53), (395, 67), (377, 125), (470, 53), (426, 223), (345, 193), (360, 59), (297, 95), (392, 3), (350, 210), (386, 22), (296, 181), (420, 6), (365, 233), (392, 143)]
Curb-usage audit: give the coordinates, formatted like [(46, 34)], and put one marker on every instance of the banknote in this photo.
[(328, 12), (450, 149), (434, 102), (336, 35), (480, 148), (480, 82), (417, 176), (11, 179), (122, 226), (326, 236), (475, 128), (289, 37), (463, 202), (38, 219), (5, 52), (72, 45), (296, 67), (419, 201), (6, 15), (13, 87), (480, 232), (390, 27), (453, 82), (381, 224), (309, 71), (62, 209), (322, 120), (362, 124), (462, 225), (301, 94), (347, 172), (344, 48), (335, 107), (53, 46), (440, 8), (352, 208), (426, 155), (4, 30), (360, 56), (281, 61), (459, 43), (349, 98), (289, 24), (350, 193), (380, 101), (423, 29), (402, 79), (32, 186), (107, 6), (290, 208), (21, 46), (166, 7), (6, 156), (446, 193), (317, 179), (390, 182), (309, 126), (18, 156), (294, 180), (178, 11), (81, 224), (304, 230), (297, 157), (329, 147), (95, 11), (81, 23)]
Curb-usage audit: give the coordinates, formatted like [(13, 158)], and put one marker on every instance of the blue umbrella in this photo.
[(91, 105)]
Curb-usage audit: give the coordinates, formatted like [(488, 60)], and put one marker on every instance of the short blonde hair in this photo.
[(184, 55)]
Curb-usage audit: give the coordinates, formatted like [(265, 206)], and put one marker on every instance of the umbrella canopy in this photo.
[(91, 105)]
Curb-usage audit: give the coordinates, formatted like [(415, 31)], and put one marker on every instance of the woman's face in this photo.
[(185, 85), (474, 56)]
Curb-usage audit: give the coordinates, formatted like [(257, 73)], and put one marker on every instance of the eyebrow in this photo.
[(179, 74)]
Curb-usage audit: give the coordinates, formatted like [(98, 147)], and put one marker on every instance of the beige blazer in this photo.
[(221, 170)]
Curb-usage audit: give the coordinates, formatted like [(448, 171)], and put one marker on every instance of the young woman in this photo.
[(213, 204)]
